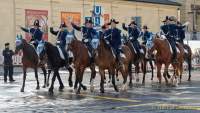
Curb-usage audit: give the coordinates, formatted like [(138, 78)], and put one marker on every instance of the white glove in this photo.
[(107, 42), (186, 23), (86, 40)]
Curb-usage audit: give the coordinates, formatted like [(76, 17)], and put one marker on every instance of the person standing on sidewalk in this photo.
[(8, 63)]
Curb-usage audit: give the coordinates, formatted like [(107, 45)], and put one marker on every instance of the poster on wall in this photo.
[(31, 16), (106, 18), (75, 16)]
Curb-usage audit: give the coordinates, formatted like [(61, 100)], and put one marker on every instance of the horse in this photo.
[(164, 56), (30, 59), (81, 61), (188, 59), (49, 70), (137, 60), (56, 62), (105, 59)]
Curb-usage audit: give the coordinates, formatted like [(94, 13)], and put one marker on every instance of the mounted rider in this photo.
[(64, 36), (170, 32), (146, 35), (89, 33), (180, 34), (36, 33), (113, 38), (134, 34)]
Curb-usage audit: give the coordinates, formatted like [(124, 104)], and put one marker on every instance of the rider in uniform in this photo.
[(35, 32), (89, 33), (180, 34), (146, 35), (170, 31), (113, 38), (134, 33)]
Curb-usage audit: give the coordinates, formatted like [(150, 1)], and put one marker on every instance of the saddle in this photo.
[(60, 53), (141, 50), (164, 38)]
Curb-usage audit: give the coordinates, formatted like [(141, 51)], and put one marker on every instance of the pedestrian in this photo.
[(8, 63)]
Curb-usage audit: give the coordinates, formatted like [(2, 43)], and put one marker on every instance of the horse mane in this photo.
[(103, 41)]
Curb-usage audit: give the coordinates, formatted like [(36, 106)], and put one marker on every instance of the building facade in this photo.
[(16, 13)]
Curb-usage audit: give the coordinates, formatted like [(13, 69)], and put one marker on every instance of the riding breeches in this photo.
[(136, 45), (173, 45)]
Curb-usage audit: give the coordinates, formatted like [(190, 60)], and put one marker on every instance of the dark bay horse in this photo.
[(188, 59), (164, 56), (81, 62), (137, 60), (30, 59), (56, 62)]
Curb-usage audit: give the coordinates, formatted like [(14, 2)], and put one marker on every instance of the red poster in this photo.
[(42, 16)]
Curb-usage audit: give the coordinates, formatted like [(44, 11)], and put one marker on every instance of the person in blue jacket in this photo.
[(180, 34), (8, 63), (171, 34), (88, 33), (35, 32), (134, 34), (146, 35), (62, 36), (113, 37)]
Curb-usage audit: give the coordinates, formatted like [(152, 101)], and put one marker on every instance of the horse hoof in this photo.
[(38, 87), (137, 80), (84, 88), (130, 85), (91, 88), (43, 86), (117, 79), (189, 80), (70, 84), (47, 85), (61, 88), (22, 90), (78, 92), (51, 92), (102, 91)]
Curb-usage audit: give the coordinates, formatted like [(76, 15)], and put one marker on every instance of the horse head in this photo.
[(20, 43), (42, 53)]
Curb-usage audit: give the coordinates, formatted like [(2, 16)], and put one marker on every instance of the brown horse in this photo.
[(105, 59), (81, 62), (164, 56), (137, 60), (30, 59)]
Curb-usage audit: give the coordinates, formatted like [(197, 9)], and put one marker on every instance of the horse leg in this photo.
[(80, 78), (102, 74), (52, 83), (144, 71), (93, 75), (124, 75), (49, 73), (189, 68), (165, 73), (36, 77), (109, 73), (45, 76), (24, 79), (59, 80), (76, 79), (180, 71), (113, 79), (159, 66), (130, 75), (152, 73), (70, 76), (117, 74), (137, 70)]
